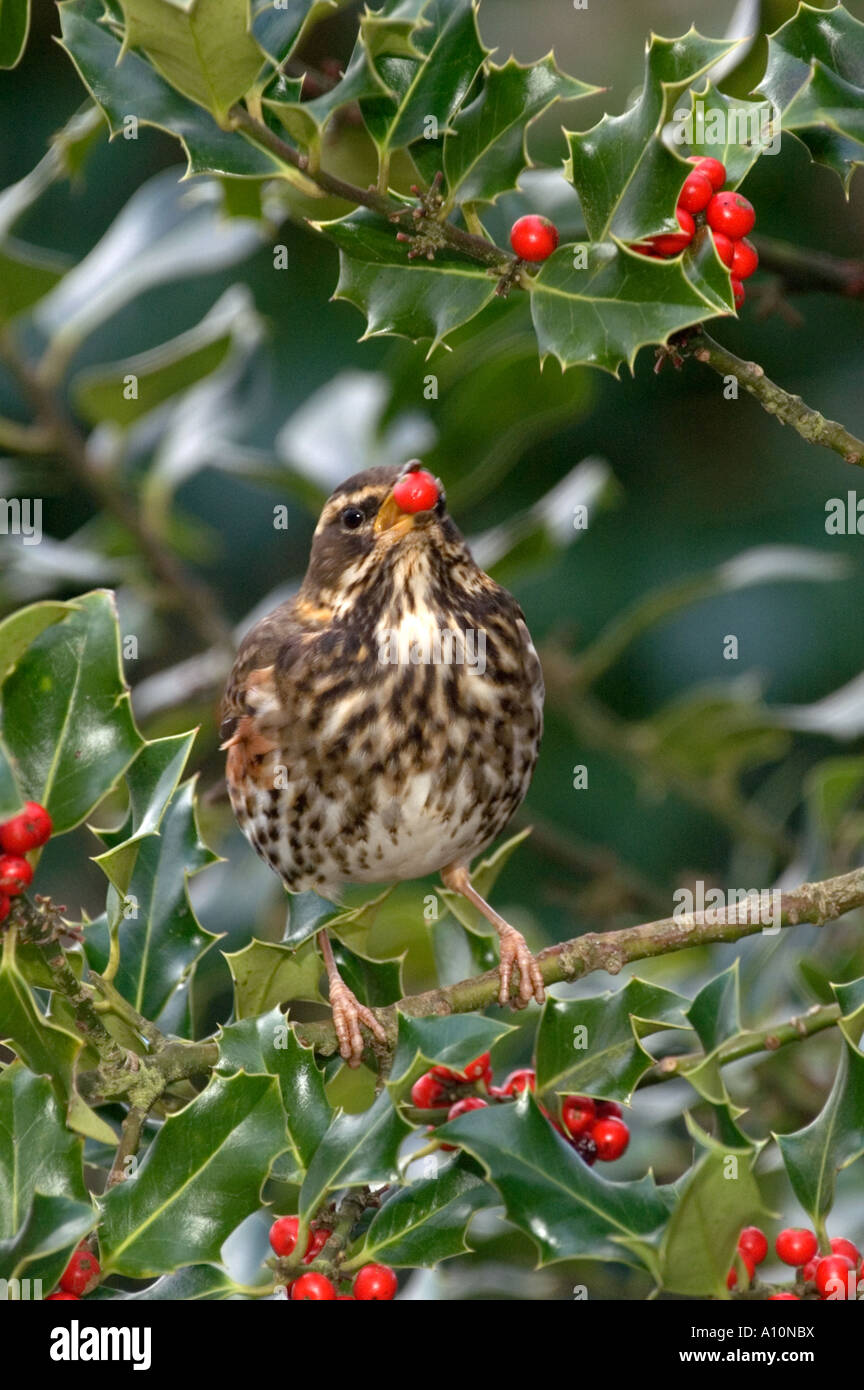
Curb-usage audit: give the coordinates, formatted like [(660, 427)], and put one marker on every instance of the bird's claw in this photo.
[(515, 952), (348, 1014)]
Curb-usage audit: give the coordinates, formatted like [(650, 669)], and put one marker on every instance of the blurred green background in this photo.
[(699, 768)]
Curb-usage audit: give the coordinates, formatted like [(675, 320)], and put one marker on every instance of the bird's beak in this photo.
[(394, 521)]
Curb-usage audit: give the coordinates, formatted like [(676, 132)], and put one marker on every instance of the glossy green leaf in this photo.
[(356, 1149), (567, 1209), (715, 1016), (191, 1285), (483, 152), (52, 1227), (375, 982), (593, 1046), (266, 974), (268, 1045), (306, 121), (14, 28), (453, 1041), (602, 314), (278, 26), (135, 88), (85, 736), (714, 1202), (26, 274), (426, 1222), (413, 299), (850, 997), (16, 634), (37, 1151), (389, 28), (815, 79), (200, 1178), (814, 1155), (484, 876), (628, 181), (730, 129), (203, 48)]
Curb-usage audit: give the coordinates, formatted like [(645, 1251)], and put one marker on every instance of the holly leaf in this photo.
[(814, 1155), (426, 1222), (14, 28), (200, 1178), (390, 29), (190, 1285), (40, 1249), (599, 304), (375, 983), (85, 736), (628, 181), (26, 273), (277, 25), (850, 997), (730, 129), (715, 1200), (37, 1151), (411, 299), (453, 1041), (566, 1208), (593, 1046), (306, 121), (265, 974), (268, 1046), (356, 1149), (203, 48), (484, 150), (715, 1017), (484, 877), (815, 79), (136, 88), (16, 634)]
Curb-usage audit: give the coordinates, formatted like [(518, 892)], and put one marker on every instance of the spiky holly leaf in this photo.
[(40, 1248), (594, 1045), (814, 1155), (453, 1042), (200, 1178), (135, 88), (602, 314), (203, 48), (850, 997), (278, 24), (389, 30), (306, 121), (265, 974), (37, 1151), (815, 79), (426, 91), (426, 1222), (566, 1208), (483, 152), (85, 736), (628, 181), (356, 1149), (413, 299), (191, 1285), (16, 633), (728, 128), (715, 1016)]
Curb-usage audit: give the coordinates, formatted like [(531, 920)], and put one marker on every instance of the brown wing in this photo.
[(256, 703)]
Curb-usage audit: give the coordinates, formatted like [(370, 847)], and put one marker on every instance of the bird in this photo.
[(366, 741)]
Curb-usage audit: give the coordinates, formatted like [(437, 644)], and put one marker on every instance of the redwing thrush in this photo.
[(366, 740)]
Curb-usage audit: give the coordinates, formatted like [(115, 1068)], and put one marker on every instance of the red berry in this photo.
[(462, 1107), (808, 1271), (427, 1093), (29, 829), (533, 238), (841, 1246), (578, 1114), (81, 1273), (586, 1148), (745, 258), (730, 213), (670, 243), (416, 492), (479, 1068), (312, 1288), (754, 1243), (447, 1074), (5, 905), (15, 874), (608, 1109), (345, 1298), (523, 1080), (831, 1277), (317, 1240), (777, 1297), (725, 247), (375, 1283), (611, 1137), (697, 192), (738, 292), (732, 1276), (795, 1246), (710, 167), (283, 1235), (65, 1297)]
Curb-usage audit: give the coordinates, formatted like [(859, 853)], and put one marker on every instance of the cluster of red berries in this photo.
[(28, 830), (593, 1127), (372, 1283), (79, 1277), (828, 1275), (729, 216)]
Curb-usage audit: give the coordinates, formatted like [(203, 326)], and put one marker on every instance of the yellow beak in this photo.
[(391, 518)]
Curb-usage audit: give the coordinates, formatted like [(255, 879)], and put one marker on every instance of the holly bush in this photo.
[(170, 1082)]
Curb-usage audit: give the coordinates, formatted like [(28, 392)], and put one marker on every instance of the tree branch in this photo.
[(789, 409), (748, 1044), (802, 269), (611, 951)]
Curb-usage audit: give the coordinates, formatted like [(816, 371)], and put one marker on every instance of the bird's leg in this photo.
[(514, 948), (348, 1012)]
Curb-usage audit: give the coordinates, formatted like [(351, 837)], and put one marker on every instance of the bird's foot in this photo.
[(514, 952), (348, 1014)]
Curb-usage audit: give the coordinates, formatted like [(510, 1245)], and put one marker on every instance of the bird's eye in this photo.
[(351, 518), (441, 504)]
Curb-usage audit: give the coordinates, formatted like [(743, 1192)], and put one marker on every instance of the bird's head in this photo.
[(382, 532)]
